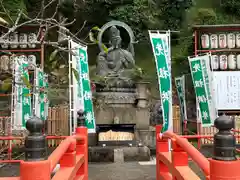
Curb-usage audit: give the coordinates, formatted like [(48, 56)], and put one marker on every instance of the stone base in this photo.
[(126, 115), (146, 137), (118, 154)]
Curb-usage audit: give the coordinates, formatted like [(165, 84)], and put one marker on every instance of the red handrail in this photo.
[(173, 164), (72, 154), (198, 158)]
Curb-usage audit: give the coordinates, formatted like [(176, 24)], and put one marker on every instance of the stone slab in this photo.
[(118, 154)]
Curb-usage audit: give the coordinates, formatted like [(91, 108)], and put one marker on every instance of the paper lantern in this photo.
[(215, 62), (222, 39), (32, 40), (238, 61), (214, 41), (13, 39), (205, 41), (4, 64), (23, 58), (238, 40), (32, 61), (23, 40), (231, 40), (12, 60), (232, 63), (5, 42), (223, 62)]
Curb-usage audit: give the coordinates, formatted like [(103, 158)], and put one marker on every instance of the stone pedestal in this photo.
[(126, 115)]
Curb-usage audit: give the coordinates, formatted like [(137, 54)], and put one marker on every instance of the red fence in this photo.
[(71, 154), (174, 164)]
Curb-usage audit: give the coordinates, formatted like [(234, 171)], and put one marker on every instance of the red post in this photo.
[(179, 156), (69, 158), (35, 170), (224, 165), (161, 146), (82, 148), (224, 170)]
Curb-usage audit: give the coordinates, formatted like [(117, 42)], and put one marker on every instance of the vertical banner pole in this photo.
[(70, 88)]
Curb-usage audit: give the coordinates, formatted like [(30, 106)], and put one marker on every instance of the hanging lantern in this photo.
[(214, 41), (12, 61), (223, 62), (215, 62), (23, 40), (13, 39), (238, 61), (32, 40), (238, 40), (4, 62), (231, 40), (232, 63), (5, 42), (222, 39), (205, 41), (32, 61), (23, 58)]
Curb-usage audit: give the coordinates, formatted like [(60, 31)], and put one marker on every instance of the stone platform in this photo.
[(118, 154)]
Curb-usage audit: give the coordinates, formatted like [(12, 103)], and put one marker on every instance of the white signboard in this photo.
[(227, 89)]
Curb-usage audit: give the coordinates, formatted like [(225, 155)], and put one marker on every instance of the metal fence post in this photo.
[(224, 164)]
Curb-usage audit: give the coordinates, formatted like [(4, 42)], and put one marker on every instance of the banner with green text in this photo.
[(161, 51), (202, 81), (80, 88), (180, 85), (21, 106), (40, 95)]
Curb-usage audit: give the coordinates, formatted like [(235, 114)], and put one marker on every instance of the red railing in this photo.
[(71, 154), (174, 164)]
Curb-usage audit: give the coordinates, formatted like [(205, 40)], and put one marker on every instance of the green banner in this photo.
[(180, 85), (201, 77), (86, 90), (26, 96), (164, 76), (40, 95)]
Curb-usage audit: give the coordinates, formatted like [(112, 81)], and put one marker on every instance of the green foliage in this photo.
[(141, 15), (231, 7), (12, 8)]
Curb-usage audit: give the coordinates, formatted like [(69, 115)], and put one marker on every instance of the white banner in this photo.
[(21, 104)]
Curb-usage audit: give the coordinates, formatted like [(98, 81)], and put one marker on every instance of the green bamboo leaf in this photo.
[(76, 74), (6, 84), (105, 48), (53, 55), (96, 28), (26, 82)]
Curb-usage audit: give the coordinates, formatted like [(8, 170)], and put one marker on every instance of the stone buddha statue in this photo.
[(116, 61)]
